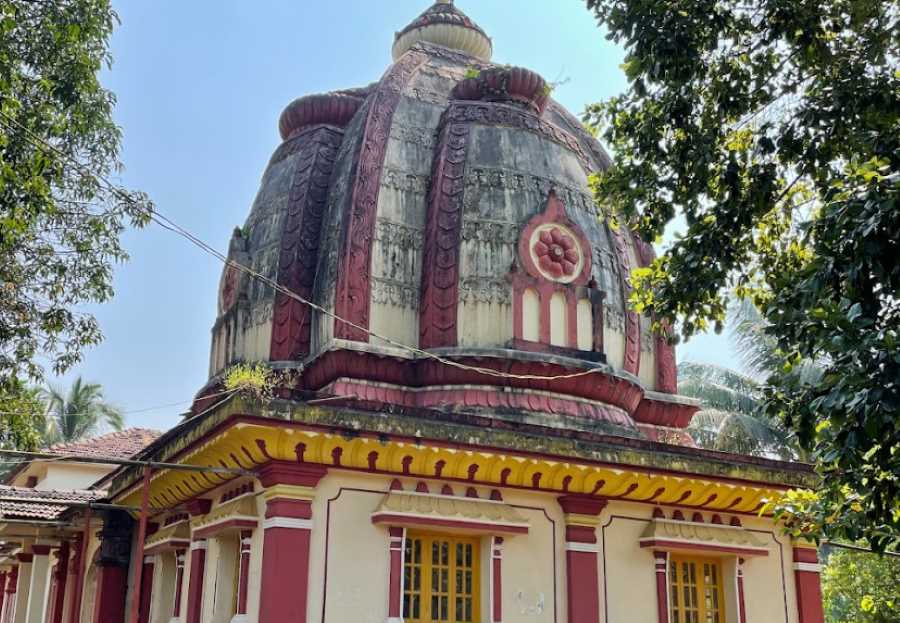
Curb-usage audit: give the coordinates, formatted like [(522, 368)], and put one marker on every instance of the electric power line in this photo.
[(170, 225)]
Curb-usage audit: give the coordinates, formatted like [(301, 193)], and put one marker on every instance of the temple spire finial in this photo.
[(445, 25)]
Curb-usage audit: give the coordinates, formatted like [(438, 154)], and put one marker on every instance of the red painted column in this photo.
[(286, 540), (395, 596), (179, 581), (662, 586), (244, 577), (146, 590), (195, 581), (742, 611), (112, 585), (809, 589), (496, 579), (60, 580), (12, 581), (582, 580), (2, 593)]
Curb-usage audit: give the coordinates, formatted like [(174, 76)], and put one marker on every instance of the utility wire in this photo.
[(170, 225)]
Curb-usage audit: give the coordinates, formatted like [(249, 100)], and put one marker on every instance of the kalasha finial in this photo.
[(445, 25)]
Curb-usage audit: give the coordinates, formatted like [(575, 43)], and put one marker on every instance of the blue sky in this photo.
[(200, 86)]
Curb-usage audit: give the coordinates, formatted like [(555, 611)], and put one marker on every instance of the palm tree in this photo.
[(80, 413), (733, 418)]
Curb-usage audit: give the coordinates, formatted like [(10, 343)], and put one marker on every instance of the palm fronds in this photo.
[(79, 413)]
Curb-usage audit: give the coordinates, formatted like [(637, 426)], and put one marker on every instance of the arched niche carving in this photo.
[(556, 307)]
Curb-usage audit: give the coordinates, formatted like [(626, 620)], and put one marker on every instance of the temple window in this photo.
[(696, 591), (440, 579), (531, 315), (585, 318), (559, 326)]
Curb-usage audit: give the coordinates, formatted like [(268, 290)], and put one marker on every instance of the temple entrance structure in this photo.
[(470, 425)]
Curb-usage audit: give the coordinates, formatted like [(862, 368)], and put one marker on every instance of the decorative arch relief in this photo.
[(556, 305)]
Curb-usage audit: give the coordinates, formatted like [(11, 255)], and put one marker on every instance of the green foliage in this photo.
[(861, 588), (472, 72), (732, 418), (21, 416), (774, 129), (21, 421), (59, 226), (80, 413), (255, 381)]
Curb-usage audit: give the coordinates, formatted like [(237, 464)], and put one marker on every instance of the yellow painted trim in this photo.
[(293, 492), (169, 488), (573, 519)]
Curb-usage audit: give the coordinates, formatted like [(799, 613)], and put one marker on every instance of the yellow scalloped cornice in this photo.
[(247, 445)]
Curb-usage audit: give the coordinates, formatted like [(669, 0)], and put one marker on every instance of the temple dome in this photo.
[(444, 24), (442, 224)]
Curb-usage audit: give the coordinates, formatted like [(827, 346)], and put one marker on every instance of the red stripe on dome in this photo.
[(353, 291), (300, 237)]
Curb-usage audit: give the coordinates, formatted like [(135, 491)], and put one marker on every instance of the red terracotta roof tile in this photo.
[(25, 503), (120, 445)]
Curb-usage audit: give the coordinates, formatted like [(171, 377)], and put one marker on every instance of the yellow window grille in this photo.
[(440, 579), (695, 590)]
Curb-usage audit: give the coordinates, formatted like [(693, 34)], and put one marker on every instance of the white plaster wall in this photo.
[(484, 323), (614, 347), (358, 558), (72, 476), (629, 588), (163, 594)]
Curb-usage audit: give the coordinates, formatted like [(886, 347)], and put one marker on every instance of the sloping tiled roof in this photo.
[(26, 503), (120, 445)]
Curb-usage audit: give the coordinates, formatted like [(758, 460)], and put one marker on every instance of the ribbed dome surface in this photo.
[(446, 211)]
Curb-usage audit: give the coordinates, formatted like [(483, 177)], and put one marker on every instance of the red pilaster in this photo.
[(12, 582), (74, 568), (809, 589), (109, 604), (742, 611), (2, 593), (195, 581), (496, 579), (286, 539), (395, 597), (179, 581), (146, 590), (582, 581), (244, 578), (60, 579), (662, 586)]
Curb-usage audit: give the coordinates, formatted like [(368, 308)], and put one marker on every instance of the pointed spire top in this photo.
[(444, 24)]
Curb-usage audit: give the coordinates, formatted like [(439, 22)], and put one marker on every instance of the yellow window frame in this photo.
[(696, 590), (439, 588)]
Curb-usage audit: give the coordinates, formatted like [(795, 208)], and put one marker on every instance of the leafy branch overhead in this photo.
[(773, 130), (60, 227)]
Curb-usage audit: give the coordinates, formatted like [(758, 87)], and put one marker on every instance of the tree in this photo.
[(60, 221), (80, 413), (773, 129), (861, 588), (21, 422), (732, 418)]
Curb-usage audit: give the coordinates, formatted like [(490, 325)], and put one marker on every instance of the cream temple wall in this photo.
[(349, 564)]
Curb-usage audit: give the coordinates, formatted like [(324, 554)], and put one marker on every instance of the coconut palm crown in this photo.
[(79, 413)]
